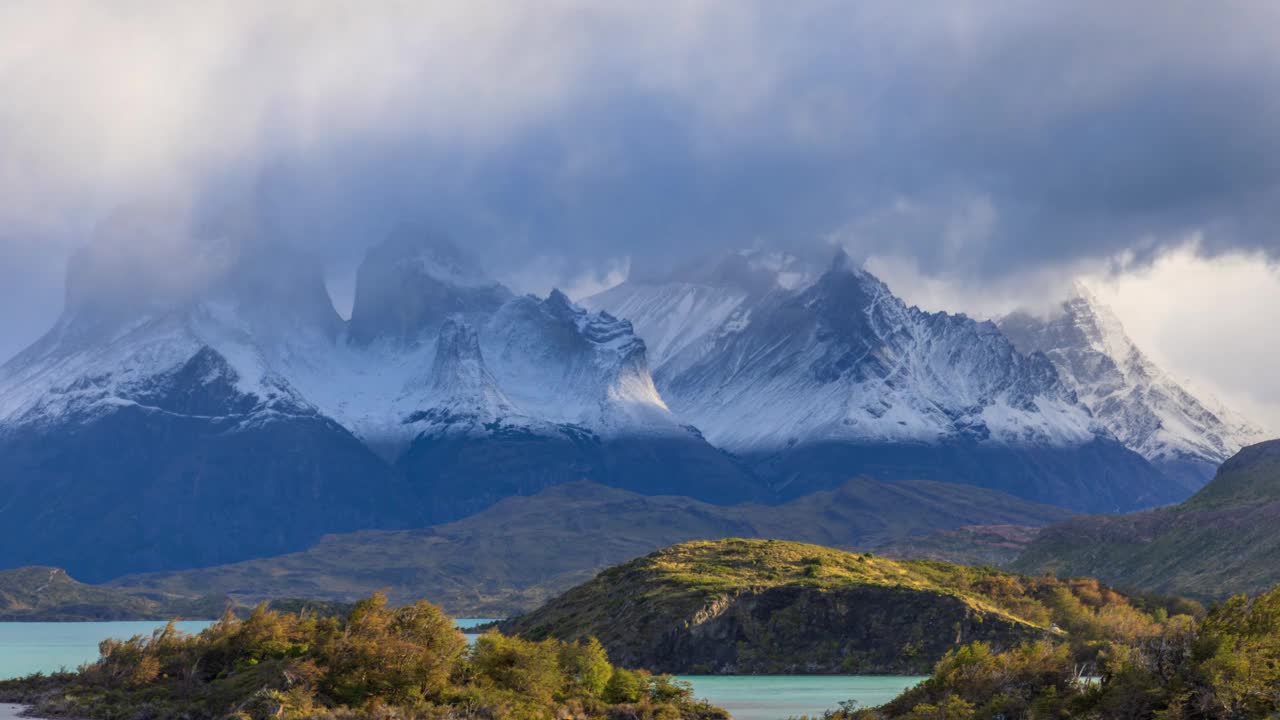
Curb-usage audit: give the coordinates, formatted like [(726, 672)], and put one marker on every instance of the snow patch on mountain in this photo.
[(459, 353), (840, 358), (562, 363), (137, 369), (681, 315), (673, 318)]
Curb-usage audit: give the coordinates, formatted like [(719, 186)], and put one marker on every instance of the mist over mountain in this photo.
[(201, 414)]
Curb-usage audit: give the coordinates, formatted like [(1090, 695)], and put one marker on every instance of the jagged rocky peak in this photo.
[(845, 360), (459, 374), (572, 327), (677, 313), (848, 301), (561, 361), (407, 286), (458, 357), (1079, 321), (1184, 435)]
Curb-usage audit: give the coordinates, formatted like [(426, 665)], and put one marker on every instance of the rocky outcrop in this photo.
[(795, 630)]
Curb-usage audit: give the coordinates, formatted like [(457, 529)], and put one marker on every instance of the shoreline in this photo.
[(14, 711)]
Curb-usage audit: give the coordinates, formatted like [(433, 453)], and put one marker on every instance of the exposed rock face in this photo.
[(1183, 435), (797, 631), (407, 287)]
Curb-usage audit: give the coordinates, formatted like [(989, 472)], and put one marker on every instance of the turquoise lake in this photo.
[(26, 648)]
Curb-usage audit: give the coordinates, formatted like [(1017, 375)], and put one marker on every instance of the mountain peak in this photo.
[(461, 382), (1184, 435), (841, 262), (558, 300), (407, 285), (433, 256)]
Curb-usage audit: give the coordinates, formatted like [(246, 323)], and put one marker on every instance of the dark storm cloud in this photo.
[(983, 138)]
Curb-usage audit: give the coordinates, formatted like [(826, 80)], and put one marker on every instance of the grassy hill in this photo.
[(524, 550), (1220, 542), (768, 606)]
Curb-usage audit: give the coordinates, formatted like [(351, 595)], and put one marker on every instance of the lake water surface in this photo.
[(27, 648), (774, 697)]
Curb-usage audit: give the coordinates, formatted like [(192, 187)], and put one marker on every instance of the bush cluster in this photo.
[(1223, 667), (378, 662)]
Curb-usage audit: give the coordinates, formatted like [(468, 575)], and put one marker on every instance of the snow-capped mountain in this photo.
[(489, 395), (196, 409), (232, 413), (431, 338), (678, 316), (150, 429), (820, 380), (1184, 435)]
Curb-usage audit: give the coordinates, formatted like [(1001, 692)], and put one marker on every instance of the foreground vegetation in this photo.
[(1224, 667), (377, 662), (769, 606)]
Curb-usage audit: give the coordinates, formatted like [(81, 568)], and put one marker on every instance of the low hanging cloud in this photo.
[(976, 141)]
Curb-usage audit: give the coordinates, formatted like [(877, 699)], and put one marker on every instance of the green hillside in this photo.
[(768, 606), (1220, 542)]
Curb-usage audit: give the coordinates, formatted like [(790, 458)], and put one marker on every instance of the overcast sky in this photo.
[(978, 154)]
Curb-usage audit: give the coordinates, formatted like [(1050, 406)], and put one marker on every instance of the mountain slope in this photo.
[(1186, 437), (474, 394), (681, 314), (150, 432), (1220, 542), (518, 553), (835, 377), (232, 414)]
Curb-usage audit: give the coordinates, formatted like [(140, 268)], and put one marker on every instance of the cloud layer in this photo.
[(979, 142)]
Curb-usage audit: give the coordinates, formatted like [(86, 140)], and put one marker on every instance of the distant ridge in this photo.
[(516, 554)]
